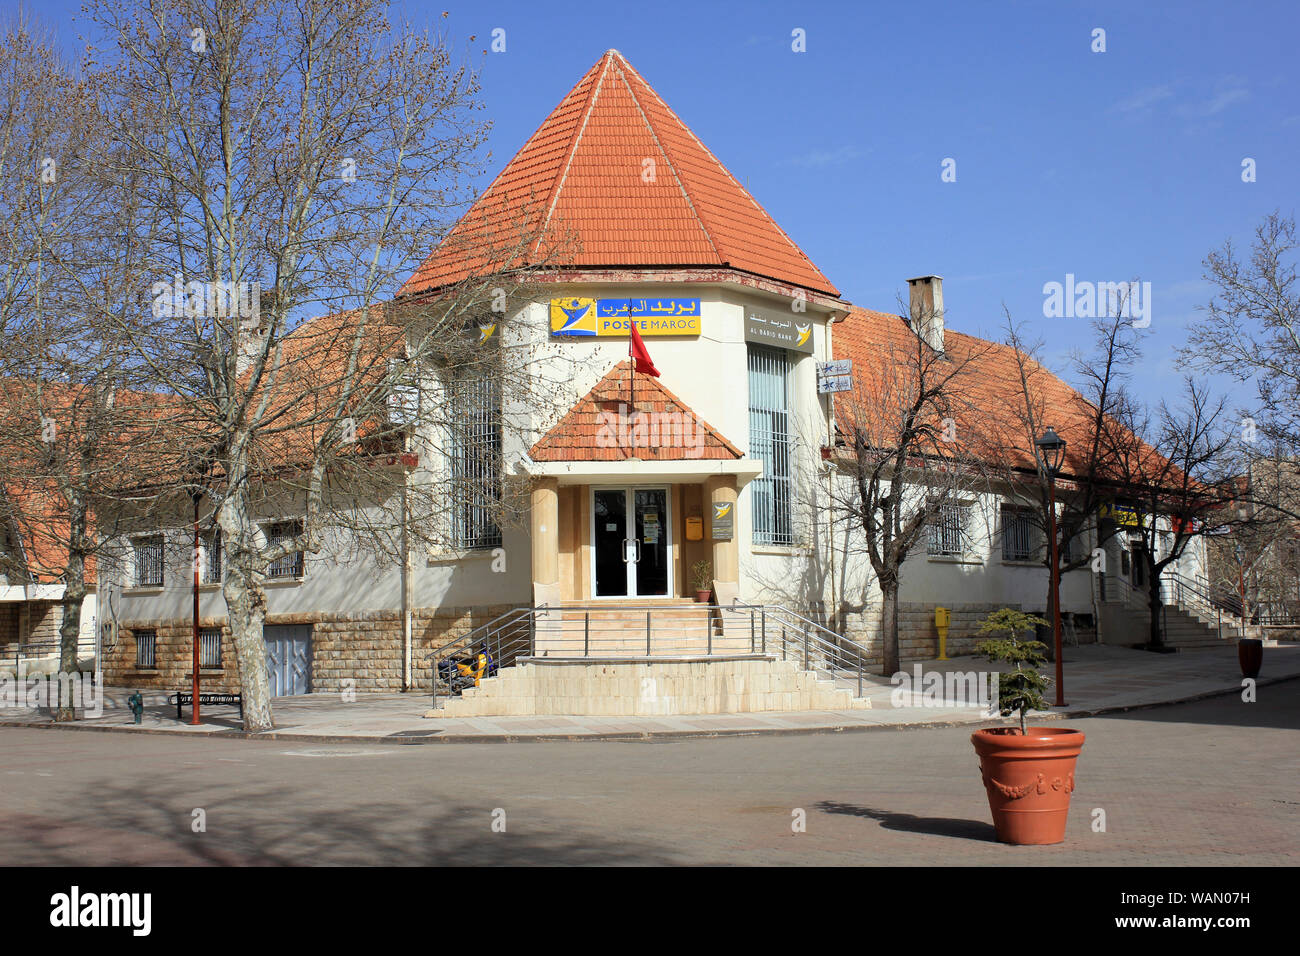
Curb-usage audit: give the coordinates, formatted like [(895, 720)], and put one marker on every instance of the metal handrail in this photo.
[(822, 650), (1197, 590), (568, 629)]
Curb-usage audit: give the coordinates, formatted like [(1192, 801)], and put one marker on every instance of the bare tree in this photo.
[(1082, 418), (1251, 328), (911, 444), (1175, 470), (71, 439), (1254, 567), (302, 158)]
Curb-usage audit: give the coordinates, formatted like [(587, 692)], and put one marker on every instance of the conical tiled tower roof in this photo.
[(614, 168)]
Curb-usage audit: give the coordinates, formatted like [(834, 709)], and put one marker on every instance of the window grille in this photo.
[(771, 443), (290, 565), (475, 404), (146, 649), (948, 529), (212, 559), (149, 562), (210, 647), (1018, 535)]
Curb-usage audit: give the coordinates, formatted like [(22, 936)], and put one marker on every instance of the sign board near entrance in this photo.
[(835, 376), (783, 332), (1120, 514), (722, 528)]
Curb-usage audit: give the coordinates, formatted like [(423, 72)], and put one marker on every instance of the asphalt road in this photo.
[(1207, 783)]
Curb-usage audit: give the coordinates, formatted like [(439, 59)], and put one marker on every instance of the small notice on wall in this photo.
[(722, 527)]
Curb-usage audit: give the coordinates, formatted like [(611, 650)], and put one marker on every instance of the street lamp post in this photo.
[(1241, 582), (197, 656), (1051, 454)]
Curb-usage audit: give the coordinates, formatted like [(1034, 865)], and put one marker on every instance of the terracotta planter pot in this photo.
[(1029, 780), (702, 597), (1250, 653)]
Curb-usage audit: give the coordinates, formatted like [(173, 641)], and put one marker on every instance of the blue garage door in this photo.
[(288, 658)]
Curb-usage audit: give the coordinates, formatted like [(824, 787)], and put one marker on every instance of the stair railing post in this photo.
[(805, 648), (647, 633), (762, 633), (858, 654), (586, 633)]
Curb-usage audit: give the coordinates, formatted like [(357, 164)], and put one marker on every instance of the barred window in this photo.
[(212, 558), (771, 443), (210, 648), (149, 562), (1019, 533), (146, 649), (475, 406), (290, 565), (948, 529)]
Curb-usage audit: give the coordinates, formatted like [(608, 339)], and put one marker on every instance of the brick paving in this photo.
[(1205, 783)]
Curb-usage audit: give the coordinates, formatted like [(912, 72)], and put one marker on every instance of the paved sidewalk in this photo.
[(1097, 679)]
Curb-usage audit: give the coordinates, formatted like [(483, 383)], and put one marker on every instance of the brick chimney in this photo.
[(925, 304)]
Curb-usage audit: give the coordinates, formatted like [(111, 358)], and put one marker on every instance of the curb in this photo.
[(434, 737)]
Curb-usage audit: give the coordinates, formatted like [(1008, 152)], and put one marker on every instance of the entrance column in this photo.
[(719, 490), (546, 540)]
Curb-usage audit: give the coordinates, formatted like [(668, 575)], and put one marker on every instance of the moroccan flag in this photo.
[(637, 351)]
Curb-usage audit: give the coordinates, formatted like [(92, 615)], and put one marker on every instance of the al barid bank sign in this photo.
[(783, 332)]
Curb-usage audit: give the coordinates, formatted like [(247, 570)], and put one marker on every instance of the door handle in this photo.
[(626, 550), (637, 542)]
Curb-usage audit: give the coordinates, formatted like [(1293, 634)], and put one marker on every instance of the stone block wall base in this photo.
[(650, 689)]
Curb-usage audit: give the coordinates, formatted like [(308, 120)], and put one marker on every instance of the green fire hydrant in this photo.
[(136, 703)]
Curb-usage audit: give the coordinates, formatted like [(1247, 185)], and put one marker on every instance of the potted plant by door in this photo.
[(1028, 771), (702, 580)]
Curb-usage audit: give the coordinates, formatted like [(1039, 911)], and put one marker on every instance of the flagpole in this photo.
[(631, 409)]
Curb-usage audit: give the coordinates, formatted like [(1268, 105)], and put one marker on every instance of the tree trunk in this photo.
[(1155, 638), (246, 612), (74, 594), (69, 633), (889, 627)]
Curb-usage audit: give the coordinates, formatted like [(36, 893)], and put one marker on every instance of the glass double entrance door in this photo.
[(630, 532)]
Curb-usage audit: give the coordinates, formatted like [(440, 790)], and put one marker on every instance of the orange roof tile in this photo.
[(991, 391), (615, 169), (600, 426)]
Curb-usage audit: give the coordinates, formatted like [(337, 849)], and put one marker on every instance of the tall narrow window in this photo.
[(210, 648), (475, 407), (1019, 533), (149, 562), (290, 565), (770, 442), (212, 558), (146, 649), (948, 529)]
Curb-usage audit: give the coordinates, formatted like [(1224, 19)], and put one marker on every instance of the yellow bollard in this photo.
[(941, 618)]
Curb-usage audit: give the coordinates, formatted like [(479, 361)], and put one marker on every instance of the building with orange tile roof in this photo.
[(631, 485)]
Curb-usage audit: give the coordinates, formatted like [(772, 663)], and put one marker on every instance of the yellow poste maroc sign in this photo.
[(577, 317)]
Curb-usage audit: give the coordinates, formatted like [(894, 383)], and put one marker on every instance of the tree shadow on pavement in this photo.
[(282, 826), (935, 826)]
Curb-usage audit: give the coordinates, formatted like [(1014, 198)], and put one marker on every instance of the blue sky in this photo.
[(1110, 166)]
